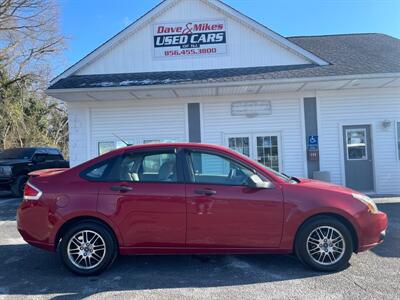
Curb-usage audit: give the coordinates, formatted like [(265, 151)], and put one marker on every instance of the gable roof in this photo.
[(348, 54), (167, 4), (354, 53)]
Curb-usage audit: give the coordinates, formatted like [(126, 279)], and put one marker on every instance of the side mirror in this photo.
[(255, 182)]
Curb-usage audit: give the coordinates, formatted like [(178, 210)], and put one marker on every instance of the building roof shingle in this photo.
[(348, 54)]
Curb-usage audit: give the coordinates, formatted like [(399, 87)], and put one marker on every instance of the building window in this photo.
[(240, 144), (398, 140), (120, 144), (259, 147), (151, 141), (267, 151), (356, 144), (156, 141), (104, 147)]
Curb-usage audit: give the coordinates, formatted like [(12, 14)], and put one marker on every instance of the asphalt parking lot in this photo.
[(32, 273)]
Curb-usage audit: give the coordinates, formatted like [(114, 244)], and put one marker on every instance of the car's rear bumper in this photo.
[(373, 231), (33, 224), (27, 238)]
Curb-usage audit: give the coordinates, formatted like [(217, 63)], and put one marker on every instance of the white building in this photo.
[(197, 70)]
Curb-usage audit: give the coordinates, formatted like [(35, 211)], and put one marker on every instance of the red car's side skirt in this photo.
[(186, 250)]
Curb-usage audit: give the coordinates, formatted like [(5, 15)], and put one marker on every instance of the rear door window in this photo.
[(160, 166)]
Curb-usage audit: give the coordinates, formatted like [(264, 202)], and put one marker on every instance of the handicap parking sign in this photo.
[(313, 140)]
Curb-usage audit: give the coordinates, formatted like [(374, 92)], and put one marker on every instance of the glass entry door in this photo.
[(358, 159), (240, 144), (263, 148), (268, 151)]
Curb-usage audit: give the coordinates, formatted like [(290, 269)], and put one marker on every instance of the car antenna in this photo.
[(121, 140)]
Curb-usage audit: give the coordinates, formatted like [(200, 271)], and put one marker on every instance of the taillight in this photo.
[(31, 192)]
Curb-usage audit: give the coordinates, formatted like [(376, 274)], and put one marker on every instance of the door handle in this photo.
[(121, 188), (205, 192)]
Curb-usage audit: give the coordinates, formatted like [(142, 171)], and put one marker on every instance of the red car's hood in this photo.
[(325, 186), (47, 172)]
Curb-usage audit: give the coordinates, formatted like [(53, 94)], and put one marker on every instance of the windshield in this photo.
[(20, 153)]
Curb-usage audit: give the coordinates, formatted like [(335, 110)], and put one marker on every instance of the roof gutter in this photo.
[(54, 92)]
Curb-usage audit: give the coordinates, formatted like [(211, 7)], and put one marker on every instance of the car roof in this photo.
[(176, 145)]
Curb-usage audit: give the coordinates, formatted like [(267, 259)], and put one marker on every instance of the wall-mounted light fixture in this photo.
[(386, 123)]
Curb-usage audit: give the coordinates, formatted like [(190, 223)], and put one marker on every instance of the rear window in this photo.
[(98, 172), (54, 157), (18, 153)]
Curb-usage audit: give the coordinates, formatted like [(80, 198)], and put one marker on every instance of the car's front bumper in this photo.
[(372, 231)]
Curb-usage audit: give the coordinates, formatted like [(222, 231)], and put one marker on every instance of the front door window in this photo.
[(215, 169)]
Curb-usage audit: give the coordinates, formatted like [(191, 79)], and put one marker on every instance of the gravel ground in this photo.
[(35, 274)]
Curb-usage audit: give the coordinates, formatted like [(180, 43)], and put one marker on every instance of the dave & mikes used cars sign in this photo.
[(189, 38)]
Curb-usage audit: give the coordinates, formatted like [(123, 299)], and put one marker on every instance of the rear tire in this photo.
[(17, 188), (324, 244), (88, 248)]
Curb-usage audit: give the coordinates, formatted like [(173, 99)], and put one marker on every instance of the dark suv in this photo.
[(16, 163)]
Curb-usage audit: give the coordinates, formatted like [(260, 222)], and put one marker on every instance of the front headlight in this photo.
[(367, 201), (5, 170)]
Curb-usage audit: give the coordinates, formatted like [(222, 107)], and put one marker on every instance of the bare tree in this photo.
[(29, 36), (30, 41)]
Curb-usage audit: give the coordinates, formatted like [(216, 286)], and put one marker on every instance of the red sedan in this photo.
[(192, 198)]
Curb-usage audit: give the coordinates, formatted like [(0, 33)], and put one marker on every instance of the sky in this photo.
[(88, 23)]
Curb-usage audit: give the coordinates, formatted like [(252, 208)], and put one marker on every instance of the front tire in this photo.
[(88, 248), (324, 244)]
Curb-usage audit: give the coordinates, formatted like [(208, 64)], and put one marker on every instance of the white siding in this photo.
[(78, 118), (167, 119), (285, 120), (361, 107), (155, 119), (137, 121), (246, 48)]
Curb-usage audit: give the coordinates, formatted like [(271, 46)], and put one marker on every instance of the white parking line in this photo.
[(11, 235), (387, 200)]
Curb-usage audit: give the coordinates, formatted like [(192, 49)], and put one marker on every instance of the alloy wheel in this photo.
[(325, 245), (86, 249)]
